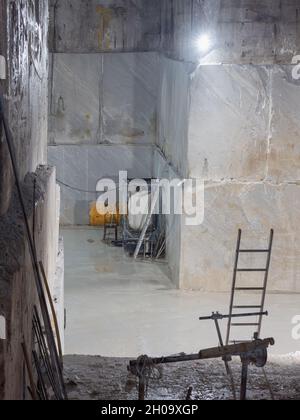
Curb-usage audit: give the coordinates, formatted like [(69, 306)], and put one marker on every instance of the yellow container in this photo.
[(101, 219)]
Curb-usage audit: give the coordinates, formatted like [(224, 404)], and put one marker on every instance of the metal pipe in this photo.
[(212, 353), (47, 322)]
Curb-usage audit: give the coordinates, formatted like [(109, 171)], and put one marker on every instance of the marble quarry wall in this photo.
[(103, 104), (242, 136), (103, 107), (102, 120), (226, 114), (23, 44), (93, 26), (242, 31)]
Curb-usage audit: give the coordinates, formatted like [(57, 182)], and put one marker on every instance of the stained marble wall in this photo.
[(103, 120), (93, 26), (104, 98), (228, 115), (242, 138)]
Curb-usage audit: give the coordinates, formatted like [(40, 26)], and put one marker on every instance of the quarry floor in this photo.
[(120, 308), (98, 378)]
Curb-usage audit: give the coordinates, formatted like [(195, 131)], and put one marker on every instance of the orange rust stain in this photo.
[(106, 16)]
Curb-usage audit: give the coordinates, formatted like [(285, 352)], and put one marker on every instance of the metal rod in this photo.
[(212, 353), (245, 366), (44, 351), (142, 389), (233, 284), (220, 316), (45, 357), (29, 371), (263, 300), (189, 394), (46, 284), (34, 259), (43, 390), (225, 359), (154, 198)]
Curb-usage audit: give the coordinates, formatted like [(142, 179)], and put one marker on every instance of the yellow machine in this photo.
[(102, 219)]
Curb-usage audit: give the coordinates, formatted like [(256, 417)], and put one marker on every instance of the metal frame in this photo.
[(262, 289)]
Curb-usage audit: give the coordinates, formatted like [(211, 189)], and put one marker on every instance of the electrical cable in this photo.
[(38, 280)]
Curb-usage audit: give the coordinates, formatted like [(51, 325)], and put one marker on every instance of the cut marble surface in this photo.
[(75, 99), (208, 250), (130, 88), (163, 170), (173, 112), (284, 156), (229, 122), (104, 98)]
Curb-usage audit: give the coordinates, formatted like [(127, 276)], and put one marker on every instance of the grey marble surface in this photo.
[(81, 167), (173, 112), (229, 122), (104, 98), (284, 151), (208, 250)]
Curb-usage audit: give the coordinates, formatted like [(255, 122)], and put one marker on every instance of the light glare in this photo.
[(204, 43)]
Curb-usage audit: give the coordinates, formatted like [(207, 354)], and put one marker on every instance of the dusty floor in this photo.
[(120, 308), (96, 378)]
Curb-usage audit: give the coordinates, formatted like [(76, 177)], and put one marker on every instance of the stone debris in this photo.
[(100, 378)]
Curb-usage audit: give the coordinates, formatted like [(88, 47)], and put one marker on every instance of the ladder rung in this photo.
[(245, 325), (247, 307), (249, 288), (253, 251), (251, 270)]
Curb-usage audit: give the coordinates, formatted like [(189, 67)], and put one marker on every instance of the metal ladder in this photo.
[(235, 289)]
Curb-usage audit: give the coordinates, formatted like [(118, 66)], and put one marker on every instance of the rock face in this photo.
[(225, 112), (25, 90), (17, 287), (90, 26), (208, 250), (243, 141), (104, 98), (239, 132), (23, 43)]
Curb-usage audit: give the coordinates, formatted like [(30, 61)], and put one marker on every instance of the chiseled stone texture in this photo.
[(104, 98), (229, 122), (209, 250), (284, 156)]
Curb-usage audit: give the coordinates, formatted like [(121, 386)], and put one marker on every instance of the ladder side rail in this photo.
[(263, 300), (234, 285)]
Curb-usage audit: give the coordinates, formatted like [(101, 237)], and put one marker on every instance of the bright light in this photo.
[(204, 43)]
